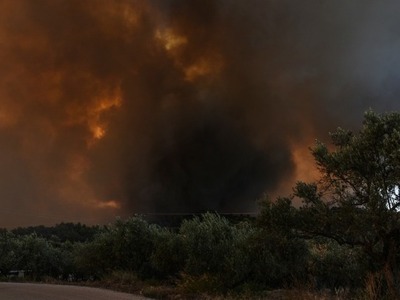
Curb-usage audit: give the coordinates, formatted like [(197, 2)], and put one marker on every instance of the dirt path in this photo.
[(32, 291)]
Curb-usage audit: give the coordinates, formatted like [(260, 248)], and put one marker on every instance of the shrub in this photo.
[(337, 266), (133, 244), (168, 257), (276, 260), (37, 256), (208, 243), (124, 245), (8, 255)]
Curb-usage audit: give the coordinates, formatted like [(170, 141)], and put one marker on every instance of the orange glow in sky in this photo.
[(110, 108)]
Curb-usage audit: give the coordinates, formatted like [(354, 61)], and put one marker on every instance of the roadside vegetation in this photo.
[(343, 242)]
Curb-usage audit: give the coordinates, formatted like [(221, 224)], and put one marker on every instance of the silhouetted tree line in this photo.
[(63, 232), (345, 235), (206, 252)]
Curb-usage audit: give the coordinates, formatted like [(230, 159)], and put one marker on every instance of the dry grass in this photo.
[(207, 288)]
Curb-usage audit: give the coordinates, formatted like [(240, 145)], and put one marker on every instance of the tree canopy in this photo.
[(357, 199)]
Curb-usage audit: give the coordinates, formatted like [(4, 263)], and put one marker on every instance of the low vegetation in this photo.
[(342, 243)]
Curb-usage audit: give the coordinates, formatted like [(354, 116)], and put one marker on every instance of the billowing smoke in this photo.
[(119, 107)]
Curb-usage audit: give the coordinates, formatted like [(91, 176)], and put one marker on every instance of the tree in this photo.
[(168, 257), (124, 245), (357, 199), (133, 244), (216, 253), (208, 243), (37, 256), (8, 248), (276, 247)]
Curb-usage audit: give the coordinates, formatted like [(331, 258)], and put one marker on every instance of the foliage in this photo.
[(357, 200), (61, 232), (37, 256), (280, 255), (126, 245), (207, 242), (232, 255), (94, 258), (277, 216), (336, 266), (169, 256), (133, 244), (8, 255)]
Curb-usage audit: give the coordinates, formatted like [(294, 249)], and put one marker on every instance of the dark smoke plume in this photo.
[(120, 107)]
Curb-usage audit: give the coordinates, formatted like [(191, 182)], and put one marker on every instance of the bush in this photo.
[(233, 255), (208, 243), (8, 255), (133, 244), (124, 245), (337, 266), (93, 259), (277, 260), (168, 257), (37, 256), (279, 256)]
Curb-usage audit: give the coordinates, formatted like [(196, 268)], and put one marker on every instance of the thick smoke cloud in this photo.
[(119, 107)]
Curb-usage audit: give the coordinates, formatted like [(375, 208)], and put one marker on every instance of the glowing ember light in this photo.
[(98, 132), (211, 63), (305, 164), (102, 105), (170, 40), (109, 204), (108, 103), (203, 67), (130, 16)]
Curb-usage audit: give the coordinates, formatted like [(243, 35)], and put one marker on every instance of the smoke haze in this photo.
[(119, 107)]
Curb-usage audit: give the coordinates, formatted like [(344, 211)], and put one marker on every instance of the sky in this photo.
[(113, 108)]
